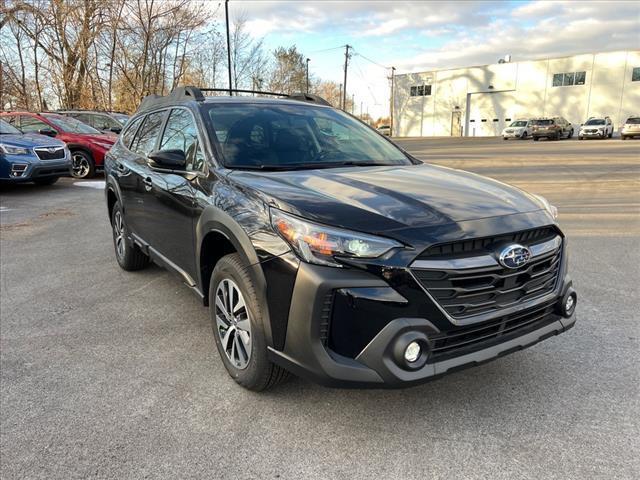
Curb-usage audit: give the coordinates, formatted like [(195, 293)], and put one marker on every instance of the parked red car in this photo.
[(87, 145)]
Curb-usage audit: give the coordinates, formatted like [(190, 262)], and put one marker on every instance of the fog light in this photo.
[(412, 352), (568, 305)]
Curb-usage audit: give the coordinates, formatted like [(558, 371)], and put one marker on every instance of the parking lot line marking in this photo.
[(91, 184)]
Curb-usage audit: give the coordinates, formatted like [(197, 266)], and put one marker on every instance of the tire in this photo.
[(570, 133), (505, 138), (245, 351), (580, 138), (46, 180), (611, 135), (82, 165), (535, 139), (524, 136), (623, 137), (128, 255)]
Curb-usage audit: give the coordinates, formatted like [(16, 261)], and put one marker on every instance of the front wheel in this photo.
[(524, 135), (82, 165), (236, 317), (505, 138), (570, 133), (611, 135), (128, 254), (535, 139)]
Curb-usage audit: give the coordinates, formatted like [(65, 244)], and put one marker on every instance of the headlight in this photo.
[(553, 211), (104, 145), (315, 243), (13, 150)]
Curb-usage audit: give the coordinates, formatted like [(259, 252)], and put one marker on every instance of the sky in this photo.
[(421, 35)]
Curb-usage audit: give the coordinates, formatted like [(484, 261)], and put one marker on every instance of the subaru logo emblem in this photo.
[(514, 256), (51, 149)]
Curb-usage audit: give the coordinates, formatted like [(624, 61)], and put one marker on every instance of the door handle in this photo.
[(148, 184)]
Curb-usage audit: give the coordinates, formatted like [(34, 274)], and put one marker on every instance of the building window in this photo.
[(568, 79), (635, 75), (420, 91)]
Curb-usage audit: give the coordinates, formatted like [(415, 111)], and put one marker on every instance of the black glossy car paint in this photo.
[(186, 221)]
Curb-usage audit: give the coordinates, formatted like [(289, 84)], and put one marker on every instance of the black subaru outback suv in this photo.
[(323, 249)]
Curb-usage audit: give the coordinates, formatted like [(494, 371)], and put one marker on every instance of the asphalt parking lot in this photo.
[(108, 374)]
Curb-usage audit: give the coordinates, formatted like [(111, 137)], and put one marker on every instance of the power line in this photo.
[(369, 60), (327, 49)]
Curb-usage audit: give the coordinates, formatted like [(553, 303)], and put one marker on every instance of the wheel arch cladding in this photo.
[(215, 224), (113, 195)]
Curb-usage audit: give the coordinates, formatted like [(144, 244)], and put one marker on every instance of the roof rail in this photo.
[(195, 93)]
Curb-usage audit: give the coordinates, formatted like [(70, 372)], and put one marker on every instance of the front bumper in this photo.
[(512, 134), (587, 134), (26, 171), (308, 353)]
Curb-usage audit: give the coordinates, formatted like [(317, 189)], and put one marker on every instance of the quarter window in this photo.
[(145, 140), (127, 136), (635, 74), (181, 133)]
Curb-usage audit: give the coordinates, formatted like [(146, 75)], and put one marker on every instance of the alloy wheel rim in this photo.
[(79, 166), (118, 229), (233, 324)]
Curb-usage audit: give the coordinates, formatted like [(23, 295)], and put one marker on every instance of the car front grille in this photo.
[(466, 280), (45, 153), (464, 340)]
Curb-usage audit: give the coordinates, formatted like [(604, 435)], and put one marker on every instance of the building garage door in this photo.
[(488, 113)]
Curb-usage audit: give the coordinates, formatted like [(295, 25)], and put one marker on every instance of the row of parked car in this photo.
[(42, 147), (555, 128)]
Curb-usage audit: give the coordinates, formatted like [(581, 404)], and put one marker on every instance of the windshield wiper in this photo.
[(308, 166)]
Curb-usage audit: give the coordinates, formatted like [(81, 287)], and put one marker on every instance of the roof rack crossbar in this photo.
[(258, 92)]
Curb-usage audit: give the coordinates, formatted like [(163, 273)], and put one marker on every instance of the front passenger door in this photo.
[(170, 202)]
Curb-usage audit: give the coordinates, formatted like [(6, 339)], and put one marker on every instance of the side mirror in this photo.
[(49, 132), (115, 129), (168, 159)]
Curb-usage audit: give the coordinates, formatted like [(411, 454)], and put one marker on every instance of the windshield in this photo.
[(121, 117), (273, 136), (633, 120), (519, 123), (595, 121), (8, 129), (70, 125), (542, 122)]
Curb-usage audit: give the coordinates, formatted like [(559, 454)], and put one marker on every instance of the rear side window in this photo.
[(127, 136), (181, 134), (145, 140), (633, 120)]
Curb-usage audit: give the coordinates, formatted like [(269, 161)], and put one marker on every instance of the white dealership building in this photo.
[(482, 100)]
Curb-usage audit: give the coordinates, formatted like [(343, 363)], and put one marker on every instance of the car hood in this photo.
[(30, 140), (377, 199)]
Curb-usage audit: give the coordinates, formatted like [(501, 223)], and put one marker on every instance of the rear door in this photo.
[(137, 173), (170, 197)]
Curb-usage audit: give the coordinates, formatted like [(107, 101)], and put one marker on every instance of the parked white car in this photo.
[(631, 128), (517, 129), (596, 127), (385, 130)]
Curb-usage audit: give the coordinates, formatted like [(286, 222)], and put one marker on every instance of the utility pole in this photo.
[(308, 60), (344, 88), (393, 71), (226, 13)]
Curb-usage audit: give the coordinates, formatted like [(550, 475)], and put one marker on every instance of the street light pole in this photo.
[(226, 13), (308, 75)]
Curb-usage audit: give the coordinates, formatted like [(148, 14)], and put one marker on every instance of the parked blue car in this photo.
[(31, 157)]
